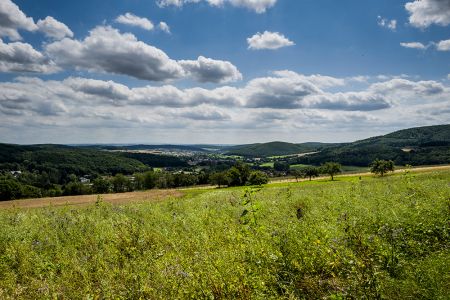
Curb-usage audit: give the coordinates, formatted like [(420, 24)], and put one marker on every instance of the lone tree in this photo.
[(382, 166), (310, 172), (332, 168), (297, 173)]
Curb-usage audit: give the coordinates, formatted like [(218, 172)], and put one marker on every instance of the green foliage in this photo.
[(305, 172), (121, 184), (416, 146), (101, 186), (220, 178), (9, 189), (274, 149), (382, 166), (257, 178), (331, 168), (156, 160), (238, 174), (383, 238), (281, 166), (57, 160)]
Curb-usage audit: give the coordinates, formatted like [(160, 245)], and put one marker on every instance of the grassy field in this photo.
[(385, 238)]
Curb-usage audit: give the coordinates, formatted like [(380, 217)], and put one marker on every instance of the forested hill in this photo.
[(274, 149), (417, 146), (66, 159)]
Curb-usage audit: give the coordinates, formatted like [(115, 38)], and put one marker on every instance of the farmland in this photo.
[(351, 238)]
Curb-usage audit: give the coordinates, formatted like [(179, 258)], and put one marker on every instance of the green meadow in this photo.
[(352, 238)]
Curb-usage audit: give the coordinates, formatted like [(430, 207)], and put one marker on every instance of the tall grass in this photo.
[(375, 238)]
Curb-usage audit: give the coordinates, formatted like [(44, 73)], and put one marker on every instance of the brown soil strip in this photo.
[(120, 198)]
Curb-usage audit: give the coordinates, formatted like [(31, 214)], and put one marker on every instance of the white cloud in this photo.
[(259, 6), (443, 45), (54, 29), (209, 70), (424, 13), (12, 19), (403, 88), (22, 57), (105, 49), (164, 27), (414, 45), (133, 20), (81, 109), (165, 3), (268, 40), (389, 24), (318, 80)]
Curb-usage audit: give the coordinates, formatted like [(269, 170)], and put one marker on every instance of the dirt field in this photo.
[(151, 195)]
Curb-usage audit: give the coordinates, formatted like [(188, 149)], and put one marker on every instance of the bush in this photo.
[(10, 189), (101, 186), (258, 178)]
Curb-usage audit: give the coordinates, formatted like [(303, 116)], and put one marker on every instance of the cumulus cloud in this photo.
[(109, 91), (318, 80), (264, 106), (12, 19), (22, 57), (54, 29), (203, 113), (385, 23), (105, 49), (350, 101), (208, 70), (259, 6), (268, 40), (424, 13), (31, 96), (414, 45), (133, 20), (401, 86), (164, 27), (285, 92), (443, 45)]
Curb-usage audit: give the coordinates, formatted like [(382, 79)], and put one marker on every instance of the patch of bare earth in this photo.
[(120, 198)]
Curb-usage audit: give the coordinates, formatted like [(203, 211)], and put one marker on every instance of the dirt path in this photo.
[(418, 169), (151, 195)]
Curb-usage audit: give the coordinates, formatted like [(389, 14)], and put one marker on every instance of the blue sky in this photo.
[(221, 71)]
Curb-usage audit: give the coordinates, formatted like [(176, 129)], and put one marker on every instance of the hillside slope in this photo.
[(65, 158), (417, 146), (274, 149)]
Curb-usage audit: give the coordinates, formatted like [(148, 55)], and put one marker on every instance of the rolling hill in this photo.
[(417, 146), (67, 159), (274, 149)]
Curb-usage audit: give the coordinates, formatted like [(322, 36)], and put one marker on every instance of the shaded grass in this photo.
[(370, 238)]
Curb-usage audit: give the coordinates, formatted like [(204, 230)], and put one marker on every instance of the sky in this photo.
[(221, 71)]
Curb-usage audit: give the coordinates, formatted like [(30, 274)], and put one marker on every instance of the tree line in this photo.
[(36, 185)]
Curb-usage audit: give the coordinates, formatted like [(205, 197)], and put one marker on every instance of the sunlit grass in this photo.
[(360, 238)]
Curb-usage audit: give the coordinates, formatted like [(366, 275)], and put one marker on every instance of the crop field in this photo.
[(358, 238), (119, 198)]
